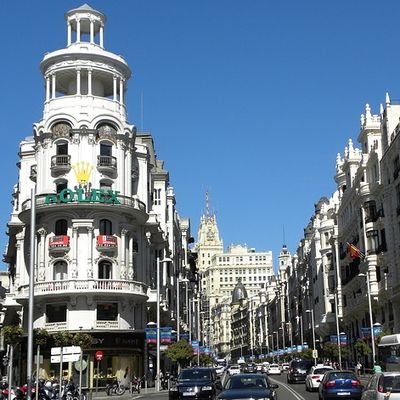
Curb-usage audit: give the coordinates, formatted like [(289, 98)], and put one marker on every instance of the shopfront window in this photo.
[(56, 313)]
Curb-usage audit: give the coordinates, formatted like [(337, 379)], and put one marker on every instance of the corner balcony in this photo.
[(59, 244), (107, 165), (106, 243), (73, 287), (70, 200), (60, 164)]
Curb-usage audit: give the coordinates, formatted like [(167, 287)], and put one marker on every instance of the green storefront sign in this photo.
[(80, 196)]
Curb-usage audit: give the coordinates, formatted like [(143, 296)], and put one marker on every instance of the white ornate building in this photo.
[(105, 212)]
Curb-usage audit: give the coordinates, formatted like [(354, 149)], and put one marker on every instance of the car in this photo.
[(298, 370), (380, 385), (273, 369), (249, 368), (234, 369), (248, 386), (285, 367), (195, 383), (313, 379), (220, 369), (337, 384), (260, 368)]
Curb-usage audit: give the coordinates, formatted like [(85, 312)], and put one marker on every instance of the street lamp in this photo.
[(273, 356), (370, 316), (158, 321), (313, 334)]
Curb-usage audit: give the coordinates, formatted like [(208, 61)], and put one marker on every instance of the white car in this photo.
[(220, 369), (234, 369), (274, 369), (313, 379)]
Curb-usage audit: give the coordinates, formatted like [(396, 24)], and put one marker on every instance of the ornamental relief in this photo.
[(107, 132), (61, 129)]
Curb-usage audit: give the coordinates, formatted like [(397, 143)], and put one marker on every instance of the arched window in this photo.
[(105, 270), (105, 227), (60, 271), (61, 227)]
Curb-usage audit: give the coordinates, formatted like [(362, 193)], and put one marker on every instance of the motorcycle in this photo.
[(115, 388), (165, 381), (136, 385)]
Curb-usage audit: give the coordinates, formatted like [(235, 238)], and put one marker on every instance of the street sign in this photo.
[(65, 358), (55, 351), (315, 353), (99, 355)]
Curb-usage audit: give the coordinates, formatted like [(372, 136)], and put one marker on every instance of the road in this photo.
[(285, 391)]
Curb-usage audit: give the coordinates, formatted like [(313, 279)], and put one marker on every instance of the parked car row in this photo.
[(204, 383)]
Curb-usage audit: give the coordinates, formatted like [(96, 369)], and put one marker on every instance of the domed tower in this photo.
[(94, 247)]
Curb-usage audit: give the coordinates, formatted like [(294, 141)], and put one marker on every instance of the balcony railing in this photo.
[(58, 243), (107, 164), (107, 324), (61, 163), (86, 285)]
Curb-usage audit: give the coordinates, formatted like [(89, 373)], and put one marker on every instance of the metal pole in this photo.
[(301, 331), (313, 335), (198, 329), (338, 331), (178, 314), (158, 326), (31, 292), (371, 321)]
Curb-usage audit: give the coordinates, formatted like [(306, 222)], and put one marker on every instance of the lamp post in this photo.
[(158, 322), (338, 331), (370, 317), (313, 334), (31, 291), (272, 337)]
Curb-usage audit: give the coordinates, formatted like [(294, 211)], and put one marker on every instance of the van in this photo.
[(298, 370)]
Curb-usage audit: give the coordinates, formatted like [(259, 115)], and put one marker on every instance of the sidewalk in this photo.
[(102, 395)]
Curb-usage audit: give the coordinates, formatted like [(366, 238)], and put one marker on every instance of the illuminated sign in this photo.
[(79, 195)]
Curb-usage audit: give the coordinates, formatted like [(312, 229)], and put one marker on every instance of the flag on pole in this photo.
[(354, 251)]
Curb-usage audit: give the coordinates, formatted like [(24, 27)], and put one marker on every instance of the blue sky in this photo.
[(250, 100)]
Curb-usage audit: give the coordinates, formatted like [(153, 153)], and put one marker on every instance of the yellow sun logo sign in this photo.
[(83, 171)]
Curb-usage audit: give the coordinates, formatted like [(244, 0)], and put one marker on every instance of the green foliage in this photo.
[(84, 340), (362, 348), (63, 338), (12, 334), (205, 360), (330, 350), (180, 352), (306, 354), (40, 336)]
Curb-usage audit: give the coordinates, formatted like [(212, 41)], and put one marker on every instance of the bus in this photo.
[(389, 352)]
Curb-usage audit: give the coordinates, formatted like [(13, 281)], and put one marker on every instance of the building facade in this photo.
[(101, 210)]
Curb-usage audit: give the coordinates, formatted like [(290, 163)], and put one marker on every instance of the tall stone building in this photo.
[(101, 210)]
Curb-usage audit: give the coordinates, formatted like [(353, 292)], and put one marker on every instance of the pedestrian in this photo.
[(358, 368)]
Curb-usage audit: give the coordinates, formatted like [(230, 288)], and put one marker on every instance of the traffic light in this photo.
[(5, 360)]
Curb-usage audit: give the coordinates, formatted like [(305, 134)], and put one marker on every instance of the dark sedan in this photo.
[(340, 385), (250, 368), (196, 384), (248, 386)]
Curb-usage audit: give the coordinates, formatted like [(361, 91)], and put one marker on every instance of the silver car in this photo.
[(383, 386)]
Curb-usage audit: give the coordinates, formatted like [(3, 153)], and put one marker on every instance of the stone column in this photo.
[(89, 81), (53, 86), (69, 34), (78, 81), (114, 88), (131, 255), (101, 35), (123, 253), (90, 258), (74, 261), (78, 30), (91, 31), (47, 88), (42, 273)]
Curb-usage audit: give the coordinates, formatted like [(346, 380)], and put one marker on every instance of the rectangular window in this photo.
[(56, 313), (107, 311)]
